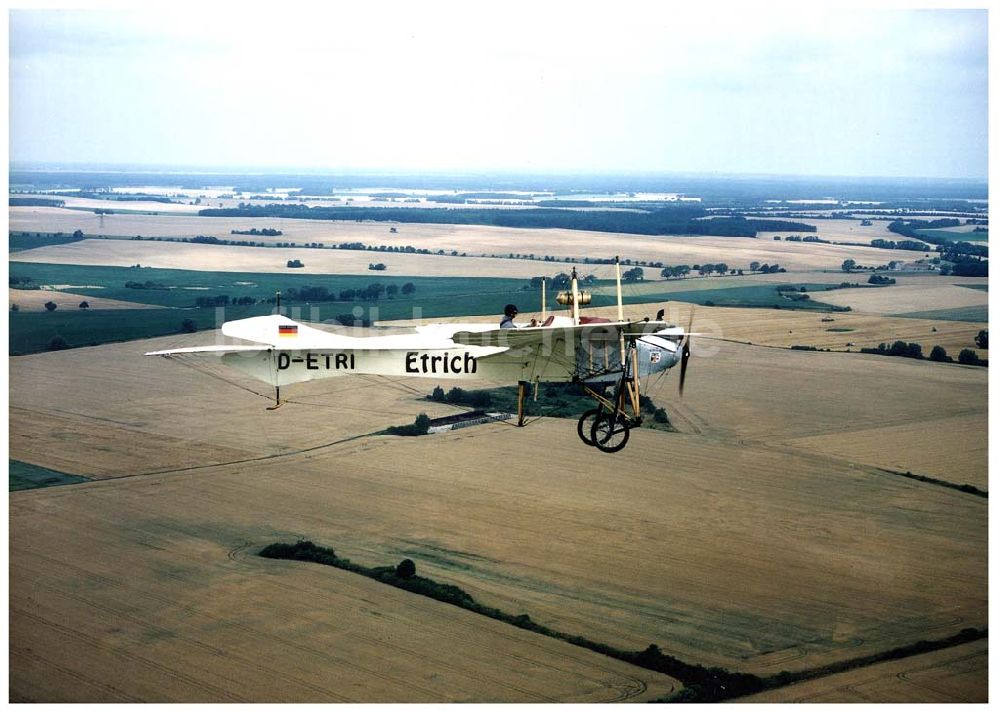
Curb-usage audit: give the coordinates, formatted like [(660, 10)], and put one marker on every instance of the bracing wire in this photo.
[(207, 371)]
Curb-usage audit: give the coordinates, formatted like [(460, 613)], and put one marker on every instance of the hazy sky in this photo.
[(505, 86)]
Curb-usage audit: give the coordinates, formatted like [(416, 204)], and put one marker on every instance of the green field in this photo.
[(760, 295), (477, 295), (24, 476), (978, 313), (954, 235), (32, 332), (26, 241), (434, 297)]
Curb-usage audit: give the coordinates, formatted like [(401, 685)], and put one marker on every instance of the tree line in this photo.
[(370, 293), (913, 350), (915, 245), (267, 232)]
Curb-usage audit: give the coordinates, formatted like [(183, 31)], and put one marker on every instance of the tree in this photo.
[(409, 288), (939, 354), (848, 265), (406, 569), (437, 394), (392, 290), (56, 343), (983, 339), (967, 356), (78, 234), (480, 399), (754, 266), (188, 326), (85, 305), (51, 306), (422, 423), (14, 308)]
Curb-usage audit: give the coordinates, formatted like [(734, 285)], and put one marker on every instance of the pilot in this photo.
[(509, 312)]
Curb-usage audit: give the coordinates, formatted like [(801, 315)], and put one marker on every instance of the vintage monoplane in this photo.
[(597, 354)]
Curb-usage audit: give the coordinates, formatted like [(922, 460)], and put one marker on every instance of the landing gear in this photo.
[(586, 424), (610, 432), (607, 426)]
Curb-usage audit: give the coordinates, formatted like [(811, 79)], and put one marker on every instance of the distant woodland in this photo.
[(671, 221)]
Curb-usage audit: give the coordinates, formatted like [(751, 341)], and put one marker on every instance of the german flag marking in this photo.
[(288, 330)]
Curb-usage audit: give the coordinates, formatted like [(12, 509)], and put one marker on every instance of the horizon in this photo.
[(250, 170)]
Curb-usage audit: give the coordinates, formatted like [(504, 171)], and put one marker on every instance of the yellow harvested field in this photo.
[(151, 591), (954, 675), (915, 447), (230, 258), (157, 405), (895, 299), (34, 301), (800, 395), (786, 328), (724, 544), (844, 231), (474, 239), (851, 231)]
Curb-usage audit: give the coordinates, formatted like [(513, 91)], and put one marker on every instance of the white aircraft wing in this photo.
[(269, 332), (219, 348), (281, 332), (529, 336)]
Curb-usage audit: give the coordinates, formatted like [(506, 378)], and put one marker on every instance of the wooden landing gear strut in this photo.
[(607, 426), (521, 386)]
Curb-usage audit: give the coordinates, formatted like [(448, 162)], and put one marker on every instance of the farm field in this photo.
[(916, 298), (119, 600), (843, 231), (832, 558), (235, 258), (967, 233), (976, 313), (772, 531), (954, 675), (34, 300), (671, 250), (914, 447)]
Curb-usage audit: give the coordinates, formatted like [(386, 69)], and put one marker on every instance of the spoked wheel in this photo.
[(610, 432), (586, 424)]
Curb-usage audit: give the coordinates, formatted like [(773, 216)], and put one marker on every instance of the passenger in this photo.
[(509, 312)]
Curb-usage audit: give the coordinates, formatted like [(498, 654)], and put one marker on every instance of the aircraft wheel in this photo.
[(586, 424), (610, 432)]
